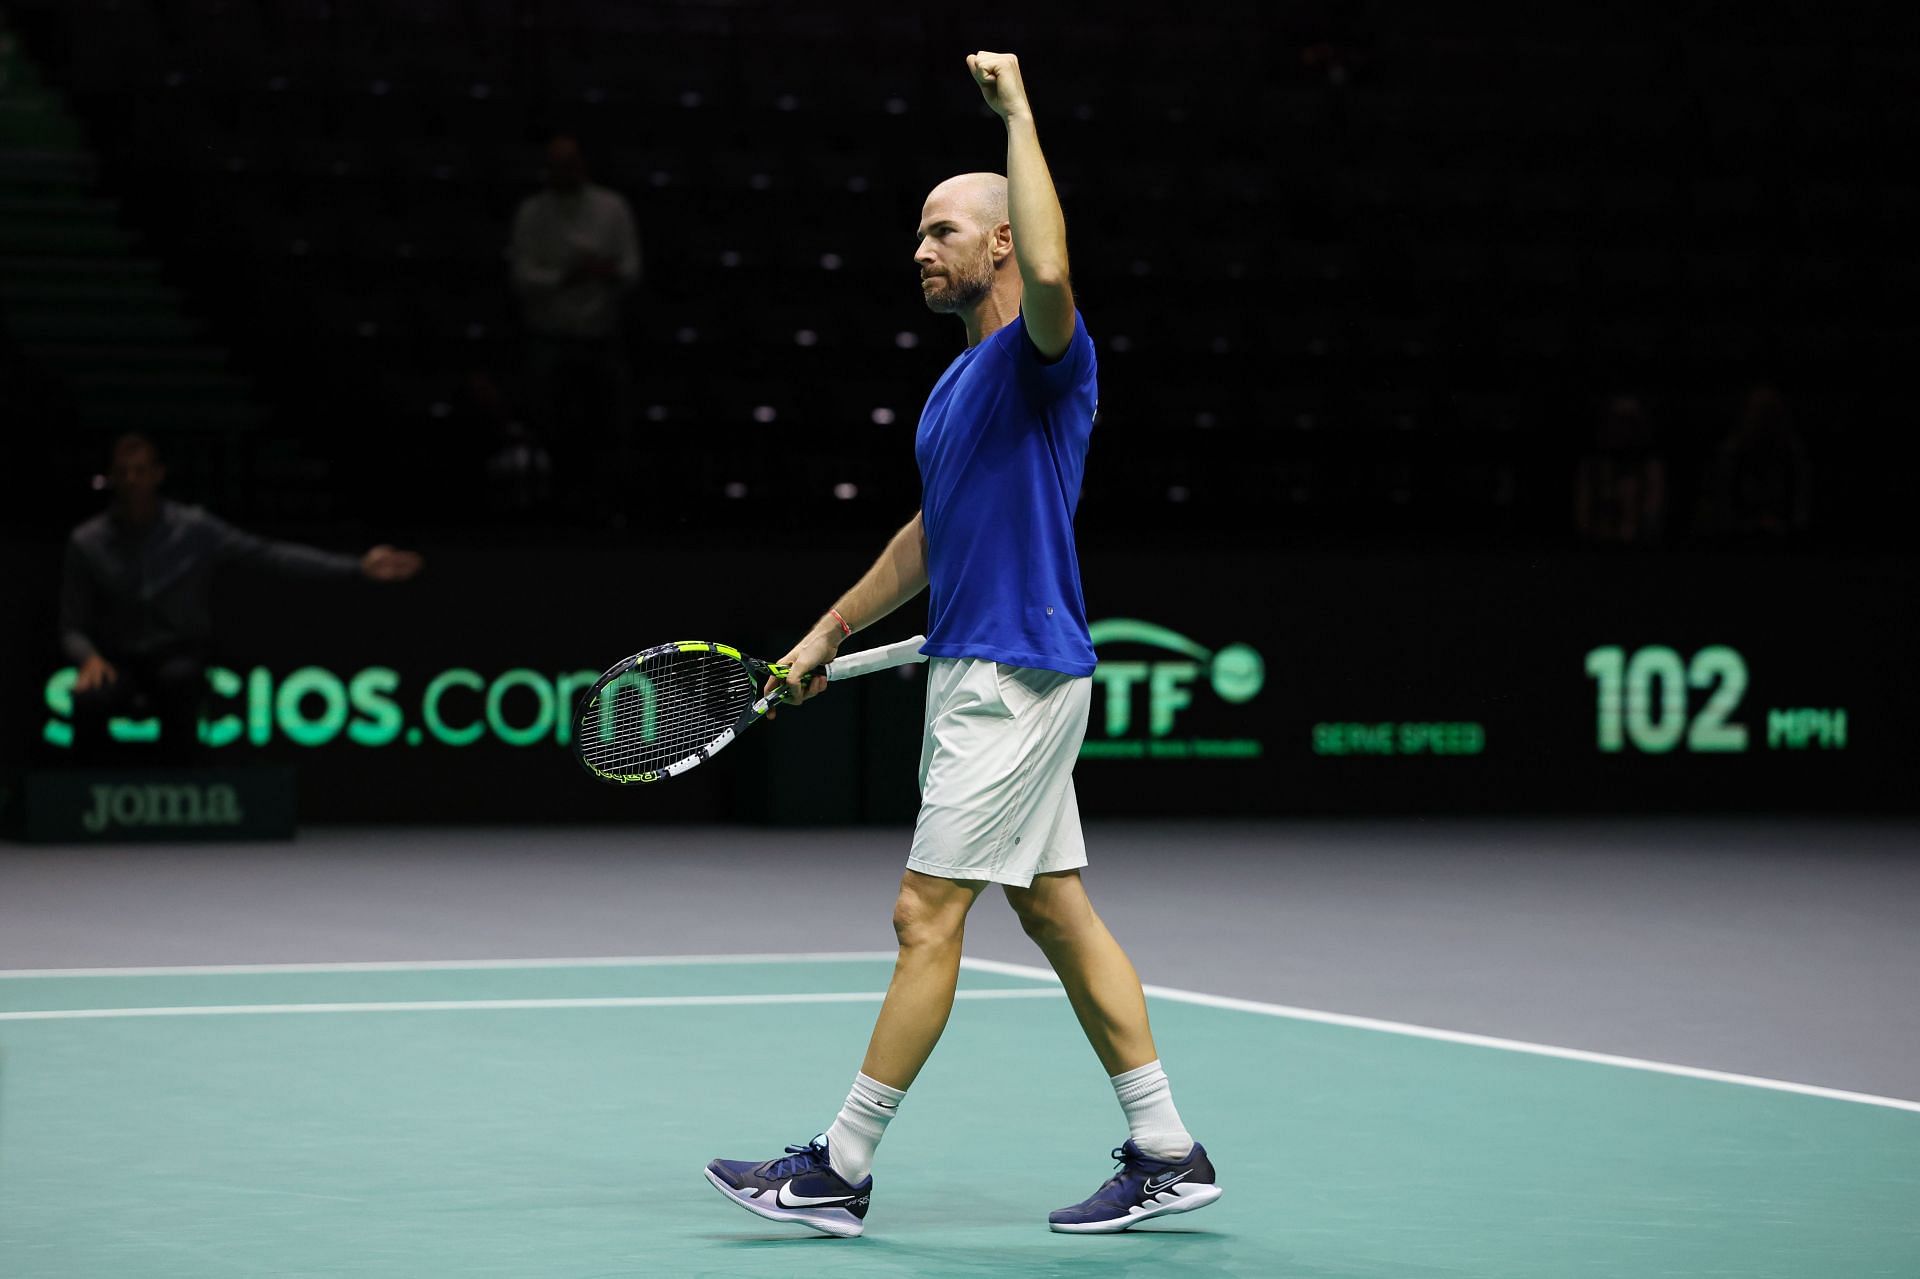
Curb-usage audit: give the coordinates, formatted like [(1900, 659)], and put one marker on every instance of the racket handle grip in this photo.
[(883, 658)]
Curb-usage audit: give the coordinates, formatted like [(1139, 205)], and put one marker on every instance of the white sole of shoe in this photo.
[(1185, 1199), (845, 1227)]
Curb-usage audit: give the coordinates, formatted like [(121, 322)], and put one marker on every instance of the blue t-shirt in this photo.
[(1002, 446)]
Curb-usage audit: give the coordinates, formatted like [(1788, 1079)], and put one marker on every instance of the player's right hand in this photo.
[(95, 672), (810, 654)]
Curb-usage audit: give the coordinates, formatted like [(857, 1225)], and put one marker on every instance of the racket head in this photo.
[(667, 709)]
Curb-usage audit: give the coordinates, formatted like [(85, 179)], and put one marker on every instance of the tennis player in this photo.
[(1002, 444)]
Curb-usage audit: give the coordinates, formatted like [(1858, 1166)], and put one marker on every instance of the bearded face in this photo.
[(957, 283)]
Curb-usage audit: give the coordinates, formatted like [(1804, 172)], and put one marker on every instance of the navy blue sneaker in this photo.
[(1144, 1187), (800, 1186)]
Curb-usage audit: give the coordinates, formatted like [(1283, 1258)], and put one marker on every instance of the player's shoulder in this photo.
[(1016, 331), (1020, 345)]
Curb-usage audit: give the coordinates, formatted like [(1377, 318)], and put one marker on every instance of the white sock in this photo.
[(1152, 1121), (856, 1133)]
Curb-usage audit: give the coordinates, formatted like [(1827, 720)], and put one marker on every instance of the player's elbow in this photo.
[(1046, 275)]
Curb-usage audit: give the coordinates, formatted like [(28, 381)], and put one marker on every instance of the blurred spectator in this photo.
[(574, 255), (1759, 486), (1620, 487), (519, 470), (135, 599)]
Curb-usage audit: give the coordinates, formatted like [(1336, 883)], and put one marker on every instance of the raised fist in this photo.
[(998, 75)]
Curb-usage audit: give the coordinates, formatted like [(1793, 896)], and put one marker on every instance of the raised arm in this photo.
[(896, 577), (1033, 207)]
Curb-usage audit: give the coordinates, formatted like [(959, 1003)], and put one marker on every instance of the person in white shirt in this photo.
[(574, 256)]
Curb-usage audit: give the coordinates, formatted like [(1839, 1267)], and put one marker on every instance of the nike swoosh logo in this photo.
[(1155, 1187), (786, 1200)]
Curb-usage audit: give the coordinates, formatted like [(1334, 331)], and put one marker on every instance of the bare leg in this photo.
[(1101, 983), (930, 919)]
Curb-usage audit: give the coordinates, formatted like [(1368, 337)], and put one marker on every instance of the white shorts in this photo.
[(996, 772)]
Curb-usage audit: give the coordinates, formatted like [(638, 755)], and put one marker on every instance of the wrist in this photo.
[(828, 632)]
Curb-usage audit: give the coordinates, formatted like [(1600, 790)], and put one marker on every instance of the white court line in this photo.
[(439, 965), (977, 965), (1463, 1037), (485, 1005)]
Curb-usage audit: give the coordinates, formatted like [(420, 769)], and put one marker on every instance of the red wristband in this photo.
[(844, 628)]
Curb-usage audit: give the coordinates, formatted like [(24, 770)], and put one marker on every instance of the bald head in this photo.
[(981, 197)]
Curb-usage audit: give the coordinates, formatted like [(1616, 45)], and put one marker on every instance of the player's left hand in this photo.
[(998, 75), (385, 564), (810, 654)]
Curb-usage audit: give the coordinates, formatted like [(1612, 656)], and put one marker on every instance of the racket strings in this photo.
[(678, 711), (634, 746), (664, 710)]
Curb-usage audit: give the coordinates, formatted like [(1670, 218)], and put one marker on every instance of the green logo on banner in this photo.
[(314, 706), (1234, 674)]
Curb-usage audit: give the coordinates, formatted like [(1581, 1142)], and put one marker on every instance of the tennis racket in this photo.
[(660, 712)]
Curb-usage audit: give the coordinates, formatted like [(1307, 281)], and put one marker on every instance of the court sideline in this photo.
[(1775, 948)]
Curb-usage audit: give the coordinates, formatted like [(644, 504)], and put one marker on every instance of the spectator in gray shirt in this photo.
[(135, 598), (574, 256)]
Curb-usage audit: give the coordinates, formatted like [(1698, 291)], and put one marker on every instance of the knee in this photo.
[(1044, 923), (917, 922)]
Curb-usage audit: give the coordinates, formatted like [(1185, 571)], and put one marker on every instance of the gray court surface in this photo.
[(1780, 948)]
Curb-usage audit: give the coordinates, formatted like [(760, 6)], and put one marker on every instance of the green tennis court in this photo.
[(552, 1119)]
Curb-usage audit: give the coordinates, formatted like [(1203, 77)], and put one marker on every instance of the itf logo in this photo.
[(1145, 700)]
